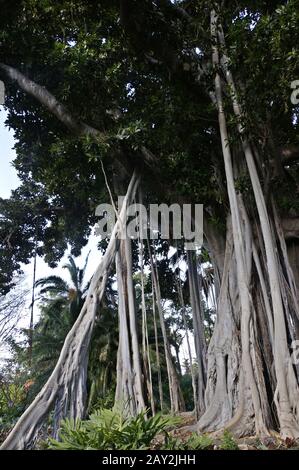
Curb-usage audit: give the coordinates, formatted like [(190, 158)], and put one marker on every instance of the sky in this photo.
[(8, 175)]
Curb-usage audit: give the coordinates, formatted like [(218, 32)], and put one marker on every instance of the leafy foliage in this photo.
[(13, 393), (110, 430), (228, 442), (194, 442)]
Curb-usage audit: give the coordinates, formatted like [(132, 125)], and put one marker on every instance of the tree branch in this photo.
[(44, 97)]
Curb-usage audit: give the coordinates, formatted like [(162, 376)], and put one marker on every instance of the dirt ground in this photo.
[(188, 426)]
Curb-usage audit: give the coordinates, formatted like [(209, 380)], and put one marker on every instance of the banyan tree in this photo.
[(162, 102)]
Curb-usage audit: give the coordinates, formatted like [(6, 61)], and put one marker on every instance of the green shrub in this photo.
[(228, 442), (110, 430), (172, 443), (103, 402), (202, 442), (195, 442)]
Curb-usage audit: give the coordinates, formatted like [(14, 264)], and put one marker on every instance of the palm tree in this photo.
[(60, 305), (57, 289)]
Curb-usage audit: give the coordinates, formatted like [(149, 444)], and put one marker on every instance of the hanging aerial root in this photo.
[(242, 242), (287, 392)]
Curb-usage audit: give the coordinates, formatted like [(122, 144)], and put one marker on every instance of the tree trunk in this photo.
[(199, 335), (145, 342), (182, 303), (158, 362)]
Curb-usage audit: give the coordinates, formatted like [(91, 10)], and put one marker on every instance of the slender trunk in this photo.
[(177, 355), (199, 336), (129, 389), (157, 351), (183, 310), (133, 327), (176, 397), (31, 325), (125, 395), (145, 342)]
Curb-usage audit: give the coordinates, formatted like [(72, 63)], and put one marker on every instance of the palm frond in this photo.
[(53, 282)]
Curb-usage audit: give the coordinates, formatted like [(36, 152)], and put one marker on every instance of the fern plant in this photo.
[(228, 442), (110, 430), (202, 442), (195, 442)]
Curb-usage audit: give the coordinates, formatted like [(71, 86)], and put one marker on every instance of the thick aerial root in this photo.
[(66, 381)]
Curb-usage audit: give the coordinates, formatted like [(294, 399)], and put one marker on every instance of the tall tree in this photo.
[(192, 93)]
